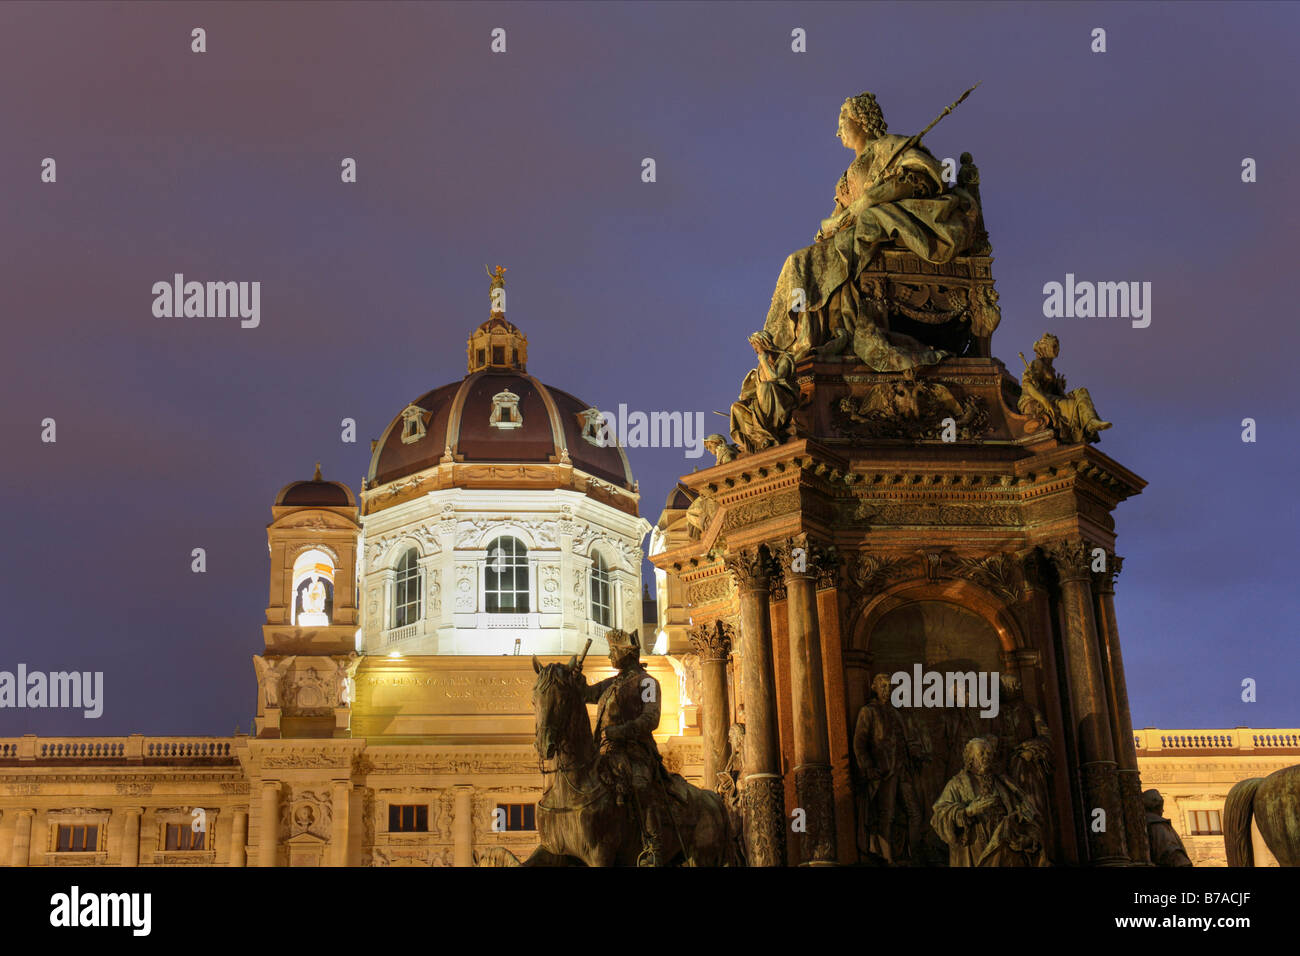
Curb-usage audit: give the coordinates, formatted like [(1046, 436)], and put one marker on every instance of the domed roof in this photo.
[(316, 493), (498, 415)]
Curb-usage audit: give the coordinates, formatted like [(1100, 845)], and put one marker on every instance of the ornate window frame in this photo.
[(505, 411), (413, 424)]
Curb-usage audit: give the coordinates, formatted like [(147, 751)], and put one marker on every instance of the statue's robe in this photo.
[(1166, 847), (763, 414), (999, 837), (1025, 743), (937, 223)]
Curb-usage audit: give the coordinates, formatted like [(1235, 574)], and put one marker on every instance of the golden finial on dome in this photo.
[(316, 477)]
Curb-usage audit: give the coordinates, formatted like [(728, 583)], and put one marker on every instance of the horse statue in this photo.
[(1274, 804), (578, 818)]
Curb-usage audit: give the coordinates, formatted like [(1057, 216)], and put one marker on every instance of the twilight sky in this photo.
[(177, 433)]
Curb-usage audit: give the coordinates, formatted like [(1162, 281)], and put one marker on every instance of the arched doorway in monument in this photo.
[(947, 628)]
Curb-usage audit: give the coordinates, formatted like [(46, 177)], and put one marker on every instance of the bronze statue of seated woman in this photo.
[(893, 192)]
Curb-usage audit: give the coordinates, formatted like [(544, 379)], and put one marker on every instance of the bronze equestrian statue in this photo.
[(607, 799)]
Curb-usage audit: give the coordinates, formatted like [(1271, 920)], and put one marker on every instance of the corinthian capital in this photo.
[(1103, 581), (800, 556), (1072, 558), (713, 641), (752, 567)]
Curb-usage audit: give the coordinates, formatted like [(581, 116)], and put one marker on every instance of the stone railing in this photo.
[(1234, 740), (136, 748)]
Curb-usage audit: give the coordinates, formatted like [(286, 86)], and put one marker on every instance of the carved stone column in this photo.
[(269, 839), (239, 838), (462, 826), (22, 848), (1096, 745), (762, 788), (812, 770), (131, 836), (339, 838), (1130, 784), (713, 643)]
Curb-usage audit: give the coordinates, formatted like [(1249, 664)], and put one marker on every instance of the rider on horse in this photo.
[(626, 717)]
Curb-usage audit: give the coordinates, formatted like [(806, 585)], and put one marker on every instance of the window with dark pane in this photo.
[(406, 590), (602, 605), (520, 816), (505, 584), (408, 818)]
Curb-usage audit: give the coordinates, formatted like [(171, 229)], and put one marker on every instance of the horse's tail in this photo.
[(1237, 813)]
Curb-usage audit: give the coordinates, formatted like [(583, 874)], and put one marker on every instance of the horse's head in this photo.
[(557, 698)]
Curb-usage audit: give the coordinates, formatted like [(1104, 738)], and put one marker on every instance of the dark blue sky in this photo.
[(175, 434)]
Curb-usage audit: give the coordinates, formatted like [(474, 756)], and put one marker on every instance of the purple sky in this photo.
[(175, 434)]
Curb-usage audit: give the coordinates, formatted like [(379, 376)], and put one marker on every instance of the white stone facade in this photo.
[(451, 531)]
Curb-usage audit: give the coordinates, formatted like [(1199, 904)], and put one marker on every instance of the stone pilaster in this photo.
[(712, 642), (1092, 730), (762, 786), (269, 838), (339, 838), (462, 826), (131, 836), (800, 560), (239, 837), (20, 853)]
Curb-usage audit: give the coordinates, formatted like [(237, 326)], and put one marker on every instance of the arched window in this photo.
[(505, 584), (602, 593), (406, 590)]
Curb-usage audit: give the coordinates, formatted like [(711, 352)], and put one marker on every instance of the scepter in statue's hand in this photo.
[(585, 648), (915, 140)]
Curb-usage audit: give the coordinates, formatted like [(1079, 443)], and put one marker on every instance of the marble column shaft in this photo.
[(762, 787), (712, 642), (1096, 746), (1130, 783), (812, 769)]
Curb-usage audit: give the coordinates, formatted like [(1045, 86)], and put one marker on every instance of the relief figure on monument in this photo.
[(985, 819), (888, 752)]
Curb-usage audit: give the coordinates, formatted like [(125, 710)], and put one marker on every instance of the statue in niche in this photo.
[(1026, 745), (313, 605), (985, 819), (1044, 397), (893, 193), (763, 415), (890, 821), (1166, 846)]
